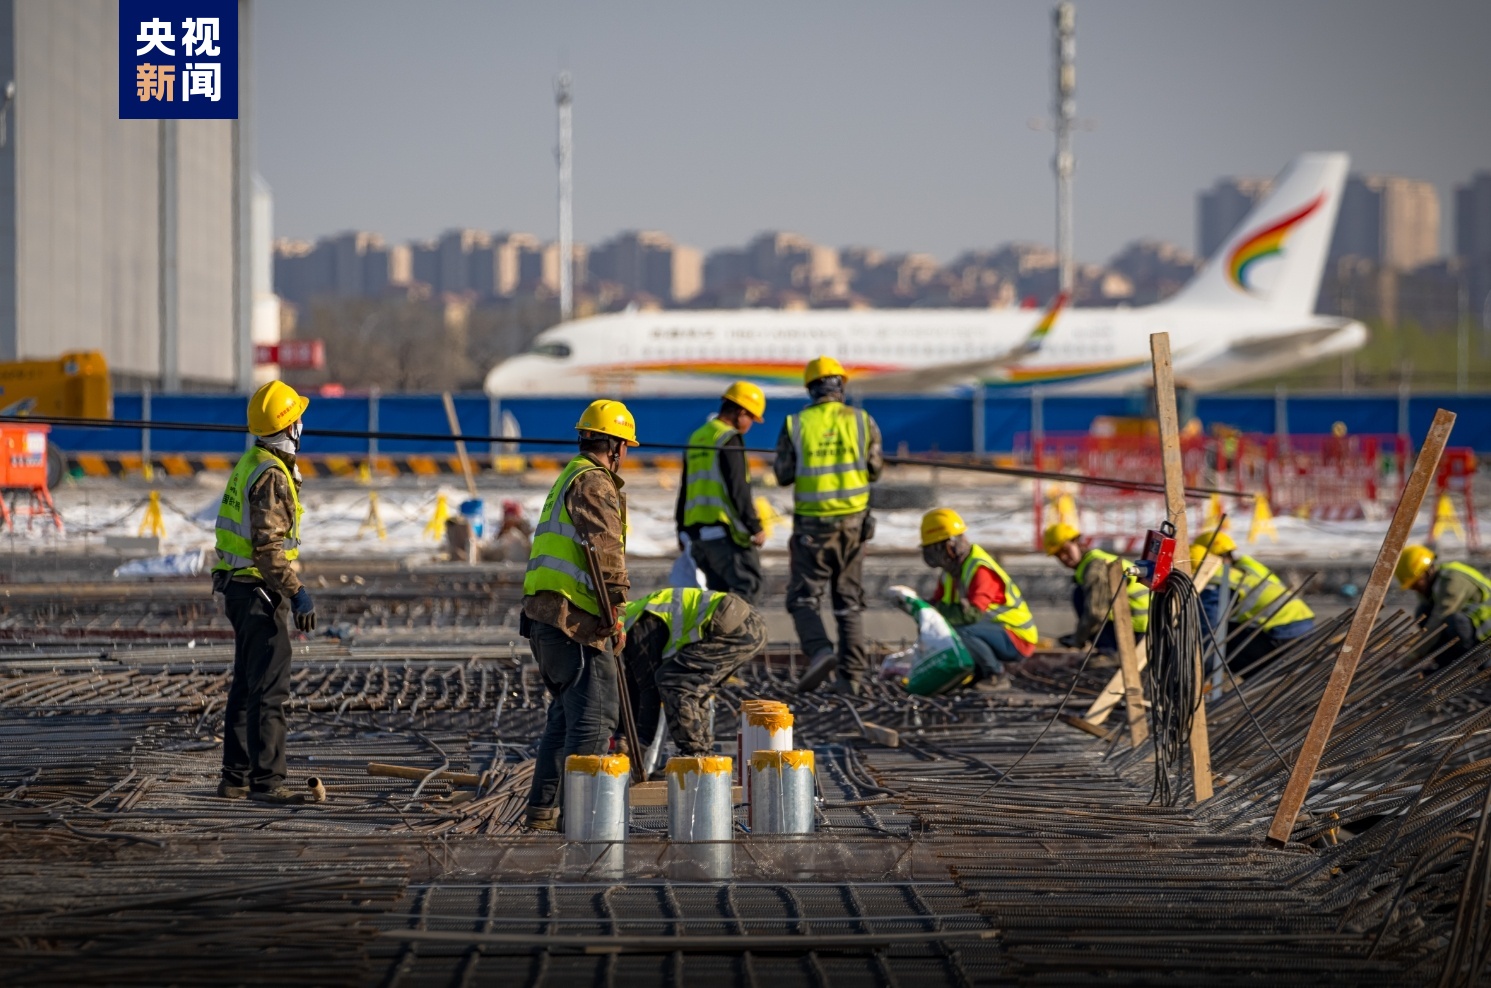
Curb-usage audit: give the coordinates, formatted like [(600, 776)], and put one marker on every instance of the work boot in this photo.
[(542, 819), (997, 683), (282, 795), (226, 790), (846, 686), (822, 666)]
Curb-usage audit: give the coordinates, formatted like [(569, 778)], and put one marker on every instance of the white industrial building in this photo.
[(127, 236)]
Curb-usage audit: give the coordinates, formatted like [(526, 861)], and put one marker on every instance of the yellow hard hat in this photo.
[(1413, 562), (1198, 556), (609, 418), (1219, 543), (822, 367), (747, 396), (1338, 429), (274, 408), (1058, 535), (941, 524)]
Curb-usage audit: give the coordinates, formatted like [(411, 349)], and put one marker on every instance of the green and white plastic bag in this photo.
[(939, 661)]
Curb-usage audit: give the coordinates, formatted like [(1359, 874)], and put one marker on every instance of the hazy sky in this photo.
[(897, 125)]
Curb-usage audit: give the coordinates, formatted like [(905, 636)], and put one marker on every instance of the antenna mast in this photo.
[(563, 99), (1066, 112)]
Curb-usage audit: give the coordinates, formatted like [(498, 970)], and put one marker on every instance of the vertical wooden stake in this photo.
[(1424, 469), (1175, 513), (1128, 656), (455, 430)]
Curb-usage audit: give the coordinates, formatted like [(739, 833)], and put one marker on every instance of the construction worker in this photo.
[(1454, 601), (830, 453), (258, 541), (976, 596), (1091, 596), (715, 507), (562, 608), (681, 644), (1256, 598)]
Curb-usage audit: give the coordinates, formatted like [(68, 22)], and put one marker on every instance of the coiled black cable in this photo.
[(1174, 641)]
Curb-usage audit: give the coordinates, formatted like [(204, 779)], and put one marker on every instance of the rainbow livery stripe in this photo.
[(1266, 243)]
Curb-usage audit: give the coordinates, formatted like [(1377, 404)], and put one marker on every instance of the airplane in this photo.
[(1247, 313)]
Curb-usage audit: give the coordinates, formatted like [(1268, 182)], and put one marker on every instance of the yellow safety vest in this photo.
[(686, 611), (705, 499), (234, 534), (1256, 588), (832, 442), (1479, 611), (1138, 592), (1014, 613), (557, 561)]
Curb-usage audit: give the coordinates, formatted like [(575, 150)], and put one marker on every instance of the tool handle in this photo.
[(628, 720)]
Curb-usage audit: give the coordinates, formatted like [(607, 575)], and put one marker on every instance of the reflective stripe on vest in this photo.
[(705, 499), (1138, 592), (234, 532), (557, 560), (1258, 589), (1014, 613), (832, 443), (1479, 611), (686, 611)]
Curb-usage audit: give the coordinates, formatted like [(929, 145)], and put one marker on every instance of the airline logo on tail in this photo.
[(1266, 243)]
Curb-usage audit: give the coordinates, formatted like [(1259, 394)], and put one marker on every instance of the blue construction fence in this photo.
[(945, 424)]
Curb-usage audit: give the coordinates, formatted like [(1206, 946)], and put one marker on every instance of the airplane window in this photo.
[(551, 350)]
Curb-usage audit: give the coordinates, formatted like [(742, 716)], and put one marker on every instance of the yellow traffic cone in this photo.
[(768, 515), (153, 523), (1213, 513), (374, 519), (436, 528), (1263, 521), (1445, 520), (1066, 511)]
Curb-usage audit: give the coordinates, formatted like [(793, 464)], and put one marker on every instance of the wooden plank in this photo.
[(656, 794), (1424, 469), (1128, 658), (455, 430), (1175, 513), (1113, 692)]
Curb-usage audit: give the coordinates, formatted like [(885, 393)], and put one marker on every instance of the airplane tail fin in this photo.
[(1275, 258)]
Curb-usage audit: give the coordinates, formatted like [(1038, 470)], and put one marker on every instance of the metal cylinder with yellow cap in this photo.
[(595, 797), (699, 791), (766, 727), (782, 792)]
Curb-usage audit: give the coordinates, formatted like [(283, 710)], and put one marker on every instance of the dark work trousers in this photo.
[(1107, 642), (254, 721), (829, 553), (583, 707), (1241, 657), (729, 567), (683, 682), (991, 646)]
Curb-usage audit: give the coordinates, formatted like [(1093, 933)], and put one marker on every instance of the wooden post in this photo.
[(1424, 469), (455, 430), (1175, 513), (1114, 691), (1128, 658)]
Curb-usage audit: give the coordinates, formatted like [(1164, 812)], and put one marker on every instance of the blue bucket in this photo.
[(474, 512)]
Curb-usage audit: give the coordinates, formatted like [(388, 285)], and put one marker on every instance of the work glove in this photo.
[(618, 635), (1069, 641), (304, 609)]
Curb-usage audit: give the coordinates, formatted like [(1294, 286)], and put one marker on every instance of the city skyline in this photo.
[(863, 124)]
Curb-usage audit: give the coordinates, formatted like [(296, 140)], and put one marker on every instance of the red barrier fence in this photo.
[(1322, 478)]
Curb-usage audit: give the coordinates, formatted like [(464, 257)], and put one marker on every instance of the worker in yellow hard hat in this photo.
[(1248, 594), (1091, 596), (716, 514), (1454, 601), (258, 543), (977, 597), (830, 454), (564, 615)]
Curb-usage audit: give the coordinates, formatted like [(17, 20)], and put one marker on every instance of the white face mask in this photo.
[(287, 441)]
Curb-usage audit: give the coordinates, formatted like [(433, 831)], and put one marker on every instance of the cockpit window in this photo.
[(550, 349)]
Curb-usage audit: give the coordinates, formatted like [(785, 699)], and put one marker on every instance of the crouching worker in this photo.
[(681, 644), (976, 596), (1254, 597), (1091, 595), (1454, 602)]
